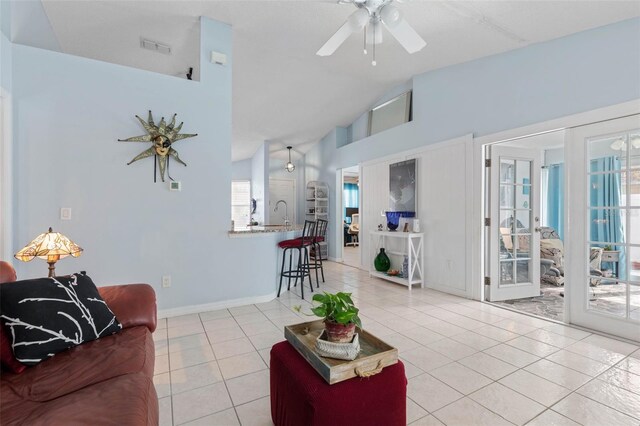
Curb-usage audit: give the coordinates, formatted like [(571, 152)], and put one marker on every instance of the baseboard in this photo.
[(448, 290), (335, 259), (194, 309)]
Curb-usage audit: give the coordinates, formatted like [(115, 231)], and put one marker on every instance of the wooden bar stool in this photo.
[(302, 245)]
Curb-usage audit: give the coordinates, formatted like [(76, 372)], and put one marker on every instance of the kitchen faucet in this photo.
[(286, 211)]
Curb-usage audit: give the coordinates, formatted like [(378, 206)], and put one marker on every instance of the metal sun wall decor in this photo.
[(162, 136)]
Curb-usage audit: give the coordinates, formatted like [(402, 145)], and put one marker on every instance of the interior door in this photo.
[(282, 189), (514, 238), (603, 203)]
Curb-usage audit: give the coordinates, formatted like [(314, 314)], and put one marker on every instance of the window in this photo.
[(392, 113), (241, 202)]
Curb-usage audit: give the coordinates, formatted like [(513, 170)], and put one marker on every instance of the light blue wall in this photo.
[(241, 170), (5, 18), (5, 46), (66, 126), (577, 73)]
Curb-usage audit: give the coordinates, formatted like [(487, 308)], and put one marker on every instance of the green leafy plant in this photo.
[(608, 248), (337, 307)]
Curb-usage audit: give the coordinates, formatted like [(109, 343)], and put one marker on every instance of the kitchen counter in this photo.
[(263, 229)]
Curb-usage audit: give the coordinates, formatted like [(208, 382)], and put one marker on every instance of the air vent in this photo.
[(155, 46)]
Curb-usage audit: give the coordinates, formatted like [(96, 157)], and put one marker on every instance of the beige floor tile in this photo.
[(551, 418), (266, 340), (551, 338), (164, 408), (197, 403), (162, 364), (400, 342), (444, 328), (475, 340), (249, 387), (185, 330), (162, 383), (250, 317), (240, 365), (254, 328), (487, 365), (211, 315), (622, 379), (612, 396), (636, 354), (189, 378), (422, 335), (514, 326), (461, 378), (496, 333), (613, 345), (414, 411), (222, 335), (377, 329), (265, 354), (226, 417), (183, 320), (241, 310), (579, 363), (410, 370), (597, 353), (426, 359), (220, 324), (467, 412), (430, 393), (512, 355), (177, 344), (558, 374), (534, 347), (588, 412), (506, 403), (160, 334), (189, 357), (427, 421), (161, 324), (567, 331), (255, 413), (630, 364), (452, 349), (232, 347), (540, 390)]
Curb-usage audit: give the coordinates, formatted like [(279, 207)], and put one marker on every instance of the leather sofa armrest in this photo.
[(132, 304)]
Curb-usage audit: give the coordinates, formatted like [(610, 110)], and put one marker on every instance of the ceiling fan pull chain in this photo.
[(374, 44), (365, 39)]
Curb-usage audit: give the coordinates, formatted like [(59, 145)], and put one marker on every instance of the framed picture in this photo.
[(402, 186)]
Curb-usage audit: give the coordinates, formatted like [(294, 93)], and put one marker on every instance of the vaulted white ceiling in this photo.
[(282, 91)]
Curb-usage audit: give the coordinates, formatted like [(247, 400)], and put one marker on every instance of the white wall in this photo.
[(241, 170), (260, 183)]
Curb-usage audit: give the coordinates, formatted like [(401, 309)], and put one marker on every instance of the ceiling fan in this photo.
[(370, 16)]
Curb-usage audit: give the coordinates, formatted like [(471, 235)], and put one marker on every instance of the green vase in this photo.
[(382, 262)]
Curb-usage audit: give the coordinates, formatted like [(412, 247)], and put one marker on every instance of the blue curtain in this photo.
[(607, 225), (350, 195), (555, 199)]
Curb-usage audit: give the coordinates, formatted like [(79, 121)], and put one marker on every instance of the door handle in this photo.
[(537, 229)]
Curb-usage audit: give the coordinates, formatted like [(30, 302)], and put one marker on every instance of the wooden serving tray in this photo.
[(374, 353)]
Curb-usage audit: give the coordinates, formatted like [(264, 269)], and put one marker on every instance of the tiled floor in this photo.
[(468, 363)]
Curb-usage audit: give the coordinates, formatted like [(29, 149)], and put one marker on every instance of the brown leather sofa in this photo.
[(108, 381)]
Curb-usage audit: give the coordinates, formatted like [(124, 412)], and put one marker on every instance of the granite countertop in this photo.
[(263, 229)]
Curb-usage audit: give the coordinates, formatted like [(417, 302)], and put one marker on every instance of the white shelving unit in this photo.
[(397, 245), (317, 207)]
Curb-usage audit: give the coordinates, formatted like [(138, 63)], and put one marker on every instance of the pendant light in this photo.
[(290, 167)]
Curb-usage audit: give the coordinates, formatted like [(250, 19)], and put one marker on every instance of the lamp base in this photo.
[(52, 269)]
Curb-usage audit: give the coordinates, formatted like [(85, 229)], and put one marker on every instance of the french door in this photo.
[(514, 238), (603, 203)]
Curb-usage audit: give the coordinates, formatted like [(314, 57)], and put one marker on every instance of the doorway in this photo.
[(351, 200), (525, 226)]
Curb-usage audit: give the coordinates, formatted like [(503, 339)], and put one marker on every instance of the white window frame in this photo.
[(237, 219)]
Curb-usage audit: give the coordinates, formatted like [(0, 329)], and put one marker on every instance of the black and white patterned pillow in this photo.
[(45, 316)]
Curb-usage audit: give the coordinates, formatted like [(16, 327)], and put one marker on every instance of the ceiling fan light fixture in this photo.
[(358, 19), (391, 16), (290, 167)]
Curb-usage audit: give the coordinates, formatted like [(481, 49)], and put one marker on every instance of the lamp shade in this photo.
[(51, 246)]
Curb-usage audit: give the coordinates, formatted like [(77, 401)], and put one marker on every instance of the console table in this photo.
[(613, 257), (397, 245)]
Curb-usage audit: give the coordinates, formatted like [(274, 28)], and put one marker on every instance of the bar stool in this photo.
[(300, 244), (319, 237)]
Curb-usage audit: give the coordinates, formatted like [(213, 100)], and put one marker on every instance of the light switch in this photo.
[(65, 213)]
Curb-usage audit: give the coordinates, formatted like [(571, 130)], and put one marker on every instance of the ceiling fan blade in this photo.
[(356, 21), (401, 30)]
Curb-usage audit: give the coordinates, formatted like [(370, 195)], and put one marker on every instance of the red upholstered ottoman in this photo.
[(301, 397)]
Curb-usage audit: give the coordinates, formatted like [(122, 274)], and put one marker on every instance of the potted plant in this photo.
[(339, 313)]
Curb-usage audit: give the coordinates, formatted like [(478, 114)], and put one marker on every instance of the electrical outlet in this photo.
[(166, 281)]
